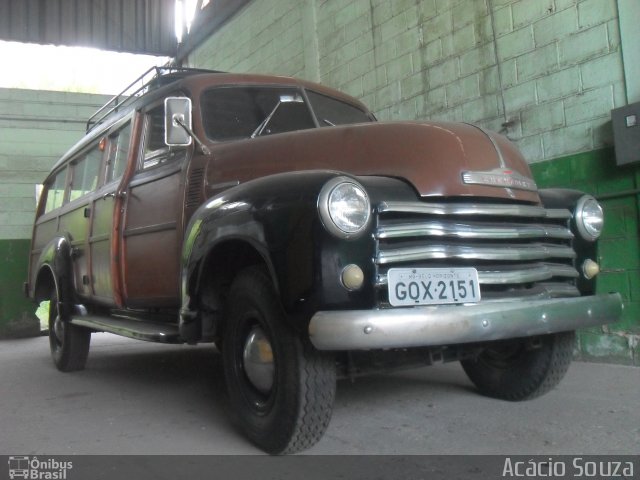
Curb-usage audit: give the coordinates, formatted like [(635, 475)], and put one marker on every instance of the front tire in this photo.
[(521, 369), (69, 343), (280, 387)]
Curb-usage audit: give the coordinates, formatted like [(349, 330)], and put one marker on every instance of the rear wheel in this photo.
[(522, 369), (69, 343), (280, 387)]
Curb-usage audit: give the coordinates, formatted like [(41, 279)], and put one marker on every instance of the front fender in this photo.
[(560, 197), (568, 198), (276, 216)]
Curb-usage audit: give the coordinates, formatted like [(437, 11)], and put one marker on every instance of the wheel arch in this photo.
[(54, 269), (226, 258), (219, 267), (45, 281)]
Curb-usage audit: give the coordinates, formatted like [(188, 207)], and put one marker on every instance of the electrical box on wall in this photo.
[(626, 133)]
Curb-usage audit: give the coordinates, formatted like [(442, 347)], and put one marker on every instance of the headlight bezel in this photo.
[(585, 232), (324, 208)]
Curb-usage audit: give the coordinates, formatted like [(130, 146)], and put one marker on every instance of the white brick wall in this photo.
[(266, 37), (36, 128), (559, 61)]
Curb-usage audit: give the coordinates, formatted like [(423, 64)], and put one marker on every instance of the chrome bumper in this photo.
[(454, 324)]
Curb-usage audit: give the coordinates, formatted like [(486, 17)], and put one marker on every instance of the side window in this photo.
[(155, 150), (55, 192), (118, 152), (84, 173)]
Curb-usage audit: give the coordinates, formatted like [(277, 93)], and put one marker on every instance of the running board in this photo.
[(138, 329)]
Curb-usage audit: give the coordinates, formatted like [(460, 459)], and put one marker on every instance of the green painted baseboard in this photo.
[(596, 173), (17, 313)]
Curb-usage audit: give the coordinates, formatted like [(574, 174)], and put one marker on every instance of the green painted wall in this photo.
[(618, 249), (16, 312)]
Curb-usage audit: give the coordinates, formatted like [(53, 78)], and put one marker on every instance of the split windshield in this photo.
[(232, 113)]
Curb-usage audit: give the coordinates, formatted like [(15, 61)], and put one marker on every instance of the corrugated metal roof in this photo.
[(135, 26)]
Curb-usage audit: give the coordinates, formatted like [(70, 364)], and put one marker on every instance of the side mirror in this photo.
[(177, 115)]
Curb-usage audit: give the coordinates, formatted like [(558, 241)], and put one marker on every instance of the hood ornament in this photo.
[(500, 177)]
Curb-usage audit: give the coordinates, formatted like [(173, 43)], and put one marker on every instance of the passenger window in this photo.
[(84, 174), (155, 150), (118, 151), (55, 193)]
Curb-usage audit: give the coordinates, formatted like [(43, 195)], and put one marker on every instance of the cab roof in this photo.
[(163, 80), (195, 79)]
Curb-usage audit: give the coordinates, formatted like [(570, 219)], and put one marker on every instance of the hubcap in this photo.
[(258, 360)]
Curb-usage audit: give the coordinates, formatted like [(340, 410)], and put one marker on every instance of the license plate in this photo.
[(432, 286)]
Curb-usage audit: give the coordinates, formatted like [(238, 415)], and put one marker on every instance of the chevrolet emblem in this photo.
[(500, 177)]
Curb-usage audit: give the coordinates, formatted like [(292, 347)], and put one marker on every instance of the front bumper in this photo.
[(455, 324)]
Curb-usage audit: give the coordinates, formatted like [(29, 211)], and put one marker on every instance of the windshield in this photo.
[(231, 113)]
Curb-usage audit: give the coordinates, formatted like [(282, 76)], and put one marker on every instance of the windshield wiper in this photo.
[(296, 98), (260, 128)]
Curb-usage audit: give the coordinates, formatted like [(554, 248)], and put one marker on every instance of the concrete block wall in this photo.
[(264, 37), (554, 72), (36, 128)]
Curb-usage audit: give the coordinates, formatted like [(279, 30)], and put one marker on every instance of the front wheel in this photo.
[(69, 343), (280, 387), (521, 369)]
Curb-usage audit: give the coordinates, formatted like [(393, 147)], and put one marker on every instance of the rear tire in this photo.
[(521, 369), (280, 387), (69, 343)]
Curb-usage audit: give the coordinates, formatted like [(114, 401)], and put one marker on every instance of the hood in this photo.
[(438, 159)]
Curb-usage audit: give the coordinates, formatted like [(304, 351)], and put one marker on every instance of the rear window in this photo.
[(85, 174), (118, 151), (55, 192)]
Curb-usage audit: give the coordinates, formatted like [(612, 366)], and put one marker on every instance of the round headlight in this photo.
[(589, 218), (344, 207)]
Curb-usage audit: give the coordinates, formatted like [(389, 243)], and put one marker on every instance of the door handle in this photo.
[(113, 195)]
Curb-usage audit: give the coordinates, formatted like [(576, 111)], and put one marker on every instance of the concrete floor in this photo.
[(142, 398)]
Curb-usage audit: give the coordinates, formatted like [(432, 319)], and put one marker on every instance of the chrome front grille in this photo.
[(518, 250)]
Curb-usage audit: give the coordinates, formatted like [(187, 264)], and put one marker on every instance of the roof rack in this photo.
[(151, 79)]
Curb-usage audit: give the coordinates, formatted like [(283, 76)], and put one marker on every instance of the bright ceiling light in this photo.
[(179, 20), (71, 69), (185, 12)]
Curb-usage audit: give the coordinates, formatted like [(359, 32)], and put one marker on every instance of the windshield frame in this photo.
[(302, 90)]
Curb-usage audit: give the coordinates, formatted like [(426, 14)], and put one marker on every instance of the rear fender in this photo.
[(56, 261)]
